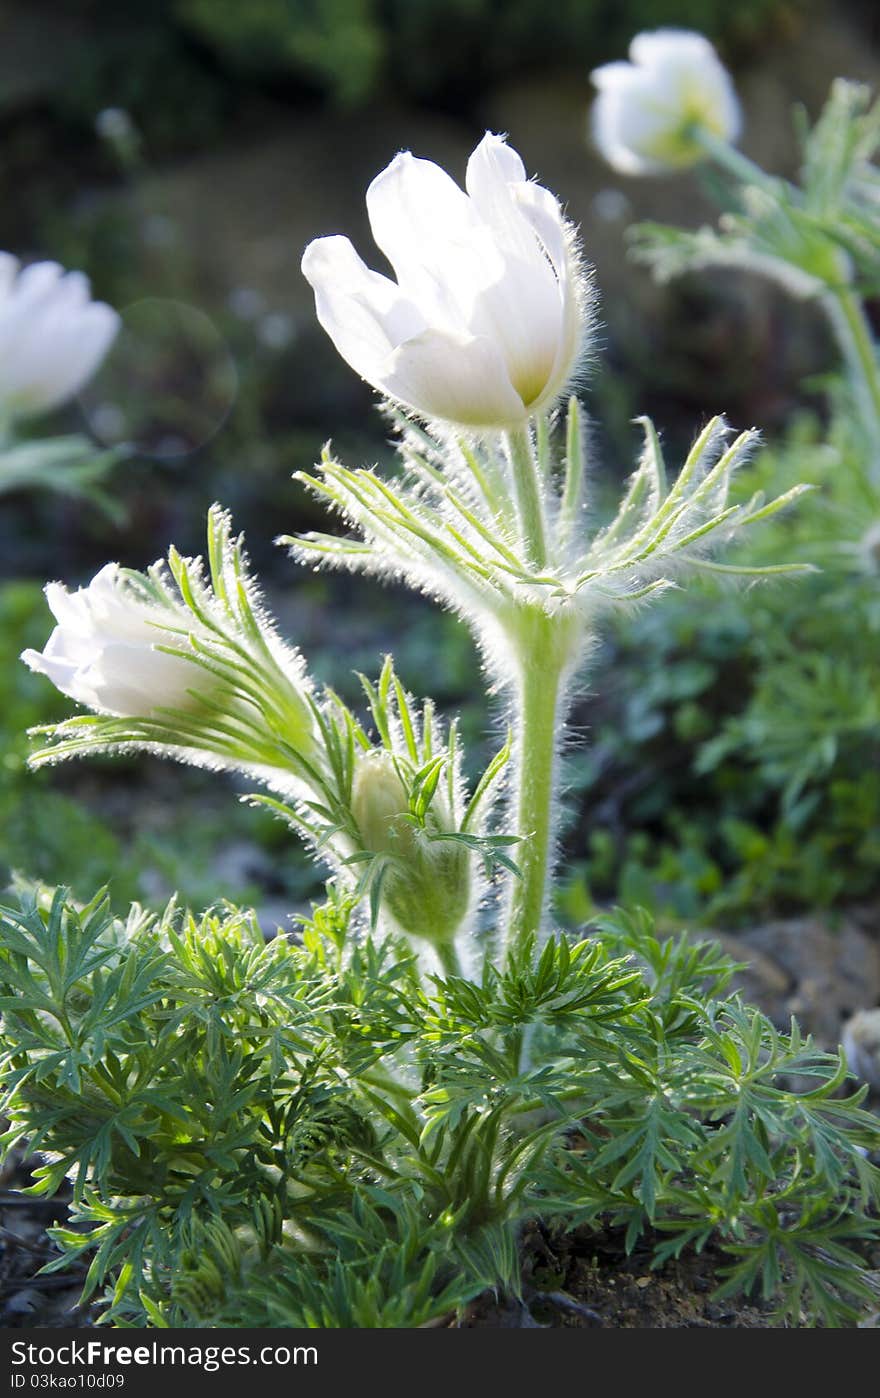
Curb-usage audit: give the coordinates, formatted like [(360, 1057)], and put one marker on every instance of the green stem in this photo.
[(739, 165), (387, 1082), (542, 445), (527, 491), (536, 727), (448, 958), (847, 316)]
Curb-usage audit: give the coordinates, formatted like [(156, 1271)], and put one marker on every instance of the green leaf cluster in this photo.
[(305, 1132)]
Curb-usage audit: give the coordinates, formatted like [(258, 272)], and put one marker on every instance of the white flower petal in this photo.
[(414, 207), (545, 215), (60, 671), (525, 312), (442, 252), (459, 380), (63, 354), (65, 606), (364, 313), (612, 75), (37, 281), (135, 680), (52, 336), (69, 646), (626, 118), (9, 266), (542, 211), (494, 171), (103, 652), (654, 48)]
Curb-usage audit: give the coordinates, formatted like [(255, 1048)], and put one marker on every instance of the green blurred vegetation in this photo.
[(428, 48), (205, 51)]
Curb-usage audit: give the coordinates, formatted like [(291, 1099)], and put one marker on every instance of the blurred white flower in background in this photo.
[(114, 124), (103, 651), (276, 331), (117, 127), (647, 113), (485, 323), (52, 335), (246, 302)]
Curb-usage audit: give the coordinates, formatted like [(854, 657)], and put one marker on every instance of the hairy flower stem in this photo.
[(847, 317), (448, 958), (541, 667), (739, 165), (527, 492)]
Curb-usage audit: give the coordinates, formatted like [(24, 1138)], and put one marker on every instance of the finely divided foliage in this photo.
[(349, 1125), (451, 526), (311, 1133)]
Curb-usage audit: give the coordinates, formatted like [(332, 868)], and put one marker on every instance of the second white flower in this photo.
[(103, 652), (649, 111)]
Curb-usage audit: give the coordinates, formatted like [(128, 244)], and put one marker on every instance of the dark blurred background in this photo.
[(182, 153)]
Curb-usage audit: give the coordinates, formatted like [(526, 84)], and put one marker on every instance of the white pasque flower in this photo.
[(52, 335), (644, 117), (103, 651), (483, 325)]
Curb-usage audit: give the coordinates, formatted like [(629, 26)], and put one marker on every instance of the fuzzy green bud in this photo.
[(427, 884)]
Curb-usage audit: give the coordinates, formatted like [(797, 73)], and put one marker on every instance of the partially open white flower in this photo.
[(647, 110), (103, 651), (52, 335), (484, 324)]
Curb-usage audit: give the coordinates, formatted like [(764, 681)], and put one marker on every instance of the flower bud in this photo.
[(645, 115), (483, 325), (52, 335), (103, 651), (426, 886)]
